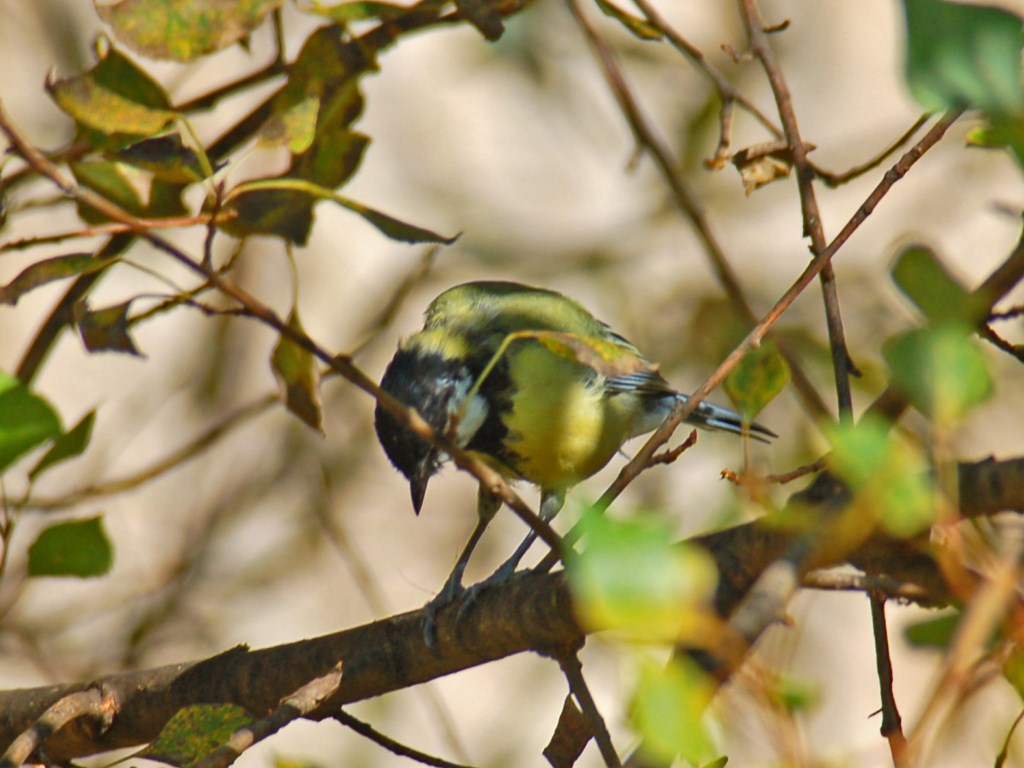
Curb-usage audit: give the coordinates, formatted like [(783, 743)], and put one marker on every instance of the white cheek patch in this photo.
[(472, 418)]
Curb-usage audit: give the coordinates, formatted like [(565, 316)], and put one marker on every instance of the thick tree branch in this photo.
[(531, 613)]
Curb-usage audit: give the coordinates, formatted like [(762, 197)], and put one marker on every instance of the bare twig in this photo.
[(302, 702), (757, 33), (341, 364), (187, 452), (86, 706), (573, 671), (686, 201), (395, 747), (838, 179), (892, 726)]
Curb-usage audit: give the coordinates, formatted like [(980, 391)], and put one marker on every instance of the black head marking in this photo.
[(430, 384)]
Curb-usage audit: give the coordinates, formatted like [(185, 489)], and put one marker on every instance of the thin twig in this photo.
[(395, 747), (892, 725), (190, 450), (573, 671), (813, 228), (726, 91), (89, 703), (838, 179), (301, 702), (342, 364), (687, 202)]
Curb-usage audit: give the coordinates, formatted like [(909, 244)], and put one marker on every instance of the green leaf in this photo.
[(633, 578), (47, 271), (298, 376), (195, 731), (183, 29), (668, 711), (890, 478), (26, 420), (282, 207), (106, 330), (67, 445), (114, 97), (393, 228), (107, 178), (757, 380), (166, 157), (940, 370), (924, 279), (963, 56), (642, 28), (936, 633), (77, 548)]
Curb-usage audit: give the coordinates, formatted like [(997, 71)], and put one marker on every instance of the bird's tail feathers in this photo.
[(712, 416)]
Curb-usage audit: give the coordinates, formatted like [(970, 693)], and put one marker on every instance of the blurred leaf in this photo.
[(716, 329), (938, 294), (106, 330), (67, 445), (1013, 671), (889, 478), (166, 157), (183, 29), (936, 633), (297, 374), (78, 548), (114, 97), (26, 420), (48, 270), (795, 695), (757, 379), (668, 711), (195, 731), (963, 56), (633, 578), (940, 370), (642, 28)]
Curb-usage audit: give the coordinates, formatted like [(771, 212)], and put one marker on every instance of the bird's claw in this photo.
[(450, 592), (496, 579)]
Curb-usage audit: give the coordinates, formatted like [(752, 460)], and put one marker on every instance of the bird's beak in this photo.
[(418, 489)]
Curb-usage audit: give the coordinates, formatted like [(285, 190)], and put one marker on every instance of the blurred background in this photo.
[(279, 533)]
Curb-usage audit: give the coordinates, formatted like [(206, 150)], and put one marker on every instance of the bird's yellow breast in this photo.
[(562, 427)]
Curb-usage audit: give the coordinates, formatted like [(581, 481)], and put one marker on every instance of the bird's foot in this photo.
[(450, 592), (501, 576)]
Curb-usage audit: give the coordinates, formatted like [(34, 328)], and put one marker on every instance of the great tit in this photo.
[(487, 371)]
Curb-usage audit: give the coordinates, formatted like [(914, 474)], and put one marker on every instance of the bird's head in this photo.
[(434, 385)]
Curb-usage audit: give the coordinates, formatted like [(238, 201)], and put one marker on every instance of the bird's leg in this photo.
[(487, 505), (550, 505)]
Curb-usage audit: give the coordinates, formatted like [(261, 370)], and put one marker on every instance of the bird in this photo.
[(529, 381)]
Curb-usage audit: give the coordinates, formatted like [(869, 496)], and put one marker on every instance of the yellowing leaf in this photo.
[(606, 357), (298, 376), (757, 380), (183, 29)]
